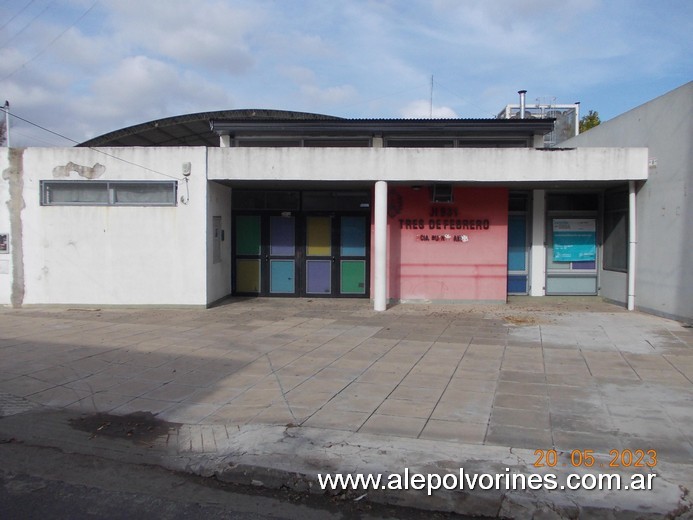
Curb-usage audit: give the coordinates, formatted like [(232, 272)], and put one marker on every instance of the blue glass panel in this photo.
[(353, 236), (282, 236), (517, 284), (282, 276), (517, 243), (318, 276)]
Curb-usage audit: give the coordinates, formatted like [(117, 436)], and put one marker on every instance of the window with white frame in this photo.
[(108, 193)]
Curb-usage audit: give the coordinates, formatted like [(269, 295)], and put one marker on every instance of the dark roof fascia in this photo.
[(375, 127)]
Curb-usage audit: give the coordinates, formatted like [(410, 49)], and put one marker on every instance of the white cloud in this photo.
[(422, 109)]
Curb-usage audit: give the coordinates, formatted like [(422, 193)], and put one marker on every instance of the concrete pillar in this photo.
[(537, 278), (380, 248), (224, 141), (632, 243)]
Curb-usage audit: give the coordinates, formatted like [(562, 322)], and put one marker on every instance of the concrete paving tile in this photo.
[(516, 437), (599, 443), (392, 425), (471, 385), (570, 379), (522, 377), (509, 417), (412, 393), (334, 419), (141, 404), (308, 399), (591, 423), (377, 376), (23, 386), (276, 414), (673, 450), (58, 396), (233, 415), (405, 408), (521, 402), (450, 411), (105, 401), (512, 387), (455, 431), (170, 392), (487, 375), (425, 381)]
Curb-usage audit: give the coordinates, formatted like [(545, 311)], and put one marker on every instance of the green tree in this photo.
[(589, 121)]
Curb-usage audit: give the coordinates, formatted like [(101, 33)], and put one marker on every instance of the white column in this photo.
[(537, 278), (224, 140), (632, 242), (380, 248)]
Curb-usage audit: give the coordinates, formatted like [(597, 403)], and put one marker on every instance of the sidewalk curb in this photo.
[(278, 457)]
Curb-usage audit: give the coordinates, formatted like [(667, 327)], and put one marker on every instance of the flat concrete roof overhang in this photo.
[(509, 166)]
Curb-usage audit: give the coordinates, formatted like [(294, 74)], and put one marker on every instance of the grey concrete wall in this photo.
[(664, 264), (219, 274)]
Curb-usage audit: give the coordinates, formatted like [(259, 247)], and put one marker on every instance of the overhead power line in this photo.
[(157, 172), (50, 44)]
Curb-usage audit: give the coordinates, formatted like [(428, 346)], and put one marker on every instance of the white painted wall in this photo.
[(95, 255), (427, 164), (664, 269), (219, 274), (5, 260)]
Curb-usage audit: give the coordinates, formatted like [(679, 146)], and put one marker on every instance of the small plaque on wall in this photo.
[(4, 243)]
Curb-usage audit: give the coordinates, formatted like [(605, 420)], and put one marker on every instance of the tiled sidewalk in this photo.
[(564, 373)]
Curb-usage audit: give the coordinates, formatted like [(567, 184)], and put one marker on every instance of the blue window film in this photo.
[(282, 277), (517, 243), (517, 284), (353, 236)]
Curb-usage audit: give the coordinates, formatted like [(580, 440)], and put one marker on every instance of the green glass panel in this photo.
[(247, 276), (248, 235), (353, 277)]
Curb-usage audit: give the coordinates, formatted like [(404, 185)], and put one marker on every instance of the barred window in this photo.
[(108, 193)]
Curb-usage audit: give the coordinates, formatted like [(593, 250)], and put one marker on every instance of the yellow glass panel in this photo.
[(248, 276), (319, 236)]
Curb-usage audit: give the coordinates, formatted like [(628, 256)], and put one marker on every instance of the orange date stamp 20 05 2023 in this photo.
[(587, 459)]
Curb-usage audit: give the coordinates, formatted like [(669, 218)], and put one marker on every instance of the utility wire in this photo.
[(27, 25), (85, 13), (94, 149), (15, 16)]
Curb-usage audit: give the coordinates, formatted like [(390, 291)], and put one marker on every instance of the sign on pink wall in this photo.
[(448, 251)]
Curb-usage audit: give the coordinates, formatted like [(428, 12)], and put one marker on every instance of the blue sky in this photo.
[(84, 67)]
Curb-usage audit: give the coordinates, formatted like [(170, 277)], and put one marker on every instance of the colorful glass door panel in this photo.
[(318, 236), (248, 276), (353, 277), (353, 236), (248, 236), (318, 276), (282, 277), (282, 236)]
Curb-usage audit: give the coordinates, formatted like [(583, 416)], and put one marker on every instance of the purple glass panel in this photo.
[(318, 276), (282, 236), (590, 265)]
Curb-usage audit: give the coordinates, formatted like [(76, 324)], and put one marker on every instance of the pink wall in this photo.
[(450, 251)]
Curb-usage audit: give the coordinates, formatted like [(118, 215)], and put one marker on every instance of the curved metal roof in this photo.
[(191, 129), (204, 128)]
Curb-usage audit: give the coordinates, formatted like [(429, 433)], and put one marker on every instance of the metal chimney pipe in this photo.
[(522, 103)]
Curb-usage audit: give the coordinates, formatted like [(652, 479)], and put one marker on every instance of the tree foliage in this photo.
[(589, 121)]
